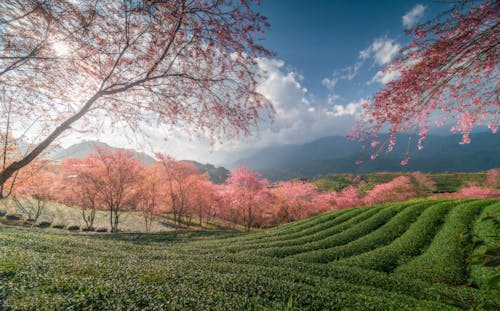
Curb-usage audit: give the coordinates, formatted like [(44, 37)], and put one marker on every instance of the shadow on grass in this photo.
[(179, 236)]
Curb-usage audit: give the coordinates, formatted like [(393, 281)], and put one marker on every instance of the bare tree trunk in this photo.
[(116, 220), (113, 219), (40, 206), (89, 219), (5, 145), (148, 220)]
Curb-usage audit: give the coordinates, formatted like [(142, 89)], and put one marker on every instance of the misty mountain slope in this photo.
[(336, 154)]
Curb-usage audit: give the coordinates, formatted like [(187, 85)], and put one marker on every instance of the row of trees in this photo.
[(115, 181)]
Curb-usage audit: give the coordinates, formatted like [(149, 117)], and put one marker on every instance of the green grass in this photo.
[(486, 230), (443, 261), (370, 251), (408, 245), (376, 231), (334, 182), (452, 182)]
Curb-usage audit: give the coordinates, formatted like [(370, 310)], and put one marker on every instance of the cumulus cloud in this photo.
[(350, 109), (298, 119), (413, 16), (385, 77), (382, 50)]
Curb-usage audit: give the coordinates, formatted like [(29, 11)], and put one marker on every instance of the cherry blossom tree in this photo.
[(398, 189), (347, 197), (294, 199), (493, 178), (114, 174), (449, 71), (8, 150), (245, 189), (202, 196), (34, 189), (223, 208), (77, 185), (66, 64), (152, 193), (178, 176)]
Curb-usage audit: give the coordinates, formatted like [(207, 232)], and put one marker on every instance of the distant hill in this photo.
[(81, 150), (337, 154), (86, 148), (217, 175)]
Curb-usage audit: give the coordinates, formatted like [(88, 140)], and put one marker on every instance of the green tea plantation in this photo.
[(416, 255)]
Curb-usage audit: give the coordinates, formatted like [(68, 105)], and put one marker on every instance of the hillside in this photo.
[(399, 256), (86, 148), (337, 154)]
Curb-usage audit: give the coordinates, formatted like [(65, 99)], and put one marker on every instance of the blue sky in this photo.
[(317, 38)]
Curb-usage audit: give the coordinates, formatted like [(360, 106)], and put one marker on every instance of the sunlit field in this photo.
[(393, 256)]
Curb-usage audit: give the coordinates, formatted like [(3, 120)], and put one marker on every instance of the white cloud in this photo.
[(329, 83), (413, 16), (385, 77), (298, 119), (332, 98), (351, 109), (383, 51)]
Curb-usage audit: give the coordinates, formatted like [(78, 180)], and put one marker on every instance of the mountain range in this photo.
[(337, 154)]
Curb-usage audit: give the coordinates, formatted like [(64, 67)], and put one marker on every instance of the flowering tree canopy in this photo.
[(135, 62), (450, 70)]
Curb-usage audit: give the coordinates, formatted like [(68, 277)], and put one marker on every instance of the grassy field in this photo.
[(398, 256), (66, 216)]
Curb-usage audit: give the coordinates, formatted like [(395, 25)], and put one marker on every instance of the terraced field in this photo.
[(397, 256)]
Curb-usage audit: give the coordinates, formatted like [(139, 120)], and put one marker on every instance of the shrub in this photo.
[(101, 230), (74, 228), (88, 229), (44, 224), (378, 231), (336, 235), (410, 244), (12, 217), (443, 261), (58, 226), (3, 213), (483, 269)]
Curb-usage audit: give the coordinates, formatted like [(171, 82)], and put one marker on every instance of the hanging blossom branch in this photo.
[(449, 72), (189, 63)]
